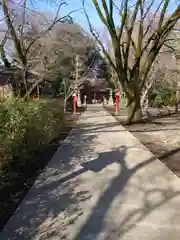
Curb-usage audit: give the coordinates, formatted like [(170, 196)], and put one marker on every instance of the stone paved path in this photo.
[(101, 184)]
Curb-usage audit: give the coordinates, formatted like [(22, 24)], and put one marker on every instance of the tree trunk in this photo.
[(134, 110), (33, 87), (25, 79), (4, 58), (177, 101), (65, 105)]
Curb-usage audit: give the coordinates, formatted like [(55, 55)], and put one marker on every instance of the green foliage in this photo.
[(25, 127), (162, 96)]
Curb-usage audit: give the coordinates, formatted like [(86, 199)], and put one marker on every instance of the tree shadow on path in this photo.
[(53, 200), (99, 163), (96, 225), (51, 197)]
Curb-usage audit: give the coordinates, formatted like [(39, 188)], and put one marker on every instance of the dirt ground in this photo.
[(161, 136)]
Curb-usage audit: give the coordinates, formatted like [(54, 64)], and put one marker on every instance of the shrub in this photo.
[(25, 127), (162, 96)]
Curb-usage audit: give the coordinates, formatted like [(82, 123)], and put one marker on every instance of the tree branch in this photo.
[(56, 20)]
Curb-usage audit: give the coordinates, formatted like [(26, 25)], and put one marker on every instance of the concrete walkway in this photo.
[(101, 184)]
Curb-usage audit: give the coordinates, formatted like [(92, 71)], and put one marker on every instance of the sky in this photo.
[(80, 18), (75, 6), (79, 14)]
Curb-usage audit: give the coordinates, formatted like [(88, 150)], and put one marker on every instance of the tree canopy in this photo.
[(45, 45), (142, 29)]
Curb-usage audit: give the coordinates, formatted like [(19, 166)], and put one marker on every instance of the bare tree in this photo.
[(134, 56), (2, 50), (57, 51), (173, 46), (19, 37)]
